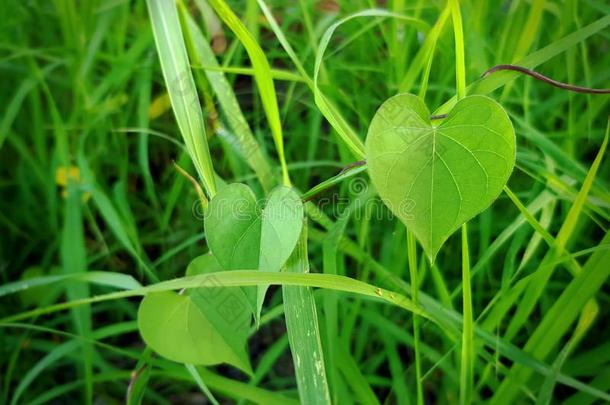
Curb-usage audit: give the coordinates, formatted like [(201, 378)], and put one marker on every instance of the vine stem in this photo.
[(545, 79)]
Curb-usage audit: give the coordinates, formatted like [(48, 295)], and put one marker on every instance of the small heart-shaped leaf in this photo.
[(242, 237), (202, 326), (207, 263), (233, 227), (435, 178), (282, 222)]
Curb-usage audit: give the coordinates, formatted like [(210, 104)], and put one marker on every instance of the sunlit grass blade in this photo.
[(262, 75), (197, 377), (558, 320), (327, 108), (181, 87), (353, 376), (277, 74), (587, 318), (74, 260), (246, 143), (540, 279), (304, 333), (242, 278), (424, 55)]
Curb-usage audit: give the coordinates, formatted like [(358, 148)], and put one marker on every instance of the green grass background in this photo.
[(78, 82)]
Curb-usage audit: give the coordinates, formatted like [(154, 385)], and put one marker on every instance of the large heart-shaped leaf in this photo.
[(202, 326), (435, 178)]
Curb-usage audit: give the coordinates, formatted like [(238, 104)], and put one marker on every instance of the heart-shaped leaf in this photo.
[(233, 231), (202, 326), (176, 327), (282, 222), (233, 227), (241, 298), (435, 178), (241, 236)]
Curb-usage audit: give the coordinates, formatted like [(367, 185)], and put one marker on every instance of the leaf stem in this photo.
[(347, 172), (412, 255), (466, 379)]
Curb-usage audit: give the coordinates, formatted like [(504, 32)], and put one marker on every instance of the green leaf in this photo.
[(195, 328), (207, 263), (242, 237), (203, 264), (233, 227), (204, 326), (435, 178), (37, 296), (229, 309), (281, 226), (330, 112)]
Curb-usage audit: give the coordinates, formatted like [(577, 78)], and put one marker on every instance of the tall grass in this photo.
[(102, 100)]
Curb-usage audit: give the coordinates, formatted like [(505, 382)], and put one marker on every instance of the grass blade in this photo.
[(181, 87), (74, 260), (263, 76), (587, 317), (244, 278), (247, 145), (304, 332), (353, 376), (539, 281), (197, 377), (105, 278), (558, 320)]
